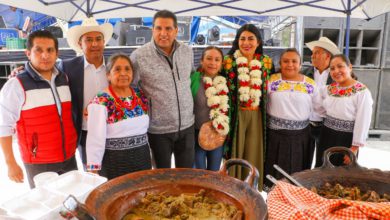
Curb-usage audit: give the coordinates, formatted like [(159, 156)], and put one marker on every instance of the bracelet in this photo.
[(93, 167)]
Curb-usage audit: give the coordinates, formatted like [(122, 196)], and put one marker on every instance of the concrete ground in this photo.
[(375, 155)]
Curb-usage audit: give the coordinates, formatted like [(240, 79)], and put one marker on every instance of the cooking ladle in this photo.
[(287, 175)]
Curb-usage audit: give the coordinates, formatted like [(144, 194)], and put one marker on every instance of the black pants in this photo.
[(60, 168), (181, 144), (82, 149), (315, 132)]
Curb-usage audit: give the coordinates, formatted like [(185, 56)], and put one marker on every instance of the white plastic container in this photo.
[(42, 179), (45, 201), (77, 183), (39, 203)]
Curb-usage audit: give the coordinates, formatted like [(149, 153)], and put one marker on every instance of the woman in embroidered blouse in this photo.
[(117, 143), (292, 97), (210, 103), (247, 69), (348, 106)]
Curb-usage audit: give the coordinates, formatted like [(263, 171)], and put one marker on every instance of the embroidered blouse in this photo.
[(352, 103), (108, 120), (293, 100)]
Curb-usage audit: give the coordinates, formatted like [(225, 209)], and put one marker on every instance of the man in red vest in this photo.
[(36, 104)]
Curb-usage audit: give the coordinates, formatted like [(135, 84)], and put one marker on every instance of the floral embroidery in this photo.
[(279, 85), (335, 90), (116, 113)]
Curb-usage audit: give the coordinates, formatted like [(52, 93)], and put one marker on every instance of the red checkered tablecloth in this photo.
[(288, 202)]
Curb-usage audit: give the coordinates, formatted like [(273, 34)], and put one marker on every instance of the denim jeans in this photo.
[(210, 160)]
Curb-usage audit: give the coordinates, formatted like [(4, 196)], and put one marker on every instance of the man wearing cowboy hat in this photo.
[(164, 67), (322, 52), (87, 73)]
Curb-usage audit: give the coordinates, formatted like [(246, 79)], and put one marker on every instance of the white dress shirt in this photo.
[(95, 80)]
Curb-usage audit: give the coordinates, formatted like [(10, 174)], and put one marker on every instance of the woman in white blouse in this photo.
[(117, 142), (292, 97), (348, 106)]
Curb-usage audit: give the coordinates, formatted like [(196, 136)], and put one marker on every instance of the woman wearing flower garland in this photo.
[(117, 124), (247, 69), (348, 106), (292, 99), (210, 103)]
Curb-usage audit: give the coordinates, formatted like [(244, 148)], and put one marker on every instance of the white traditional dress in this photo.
[(347, 118), (289, 108)]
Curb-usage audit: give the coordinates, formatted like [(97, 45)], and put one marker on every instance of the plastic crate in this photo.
[(15, 43)]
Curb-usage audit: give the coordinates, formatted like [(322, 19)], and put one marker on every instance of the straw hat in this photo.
[(325, 43), (88, 25)]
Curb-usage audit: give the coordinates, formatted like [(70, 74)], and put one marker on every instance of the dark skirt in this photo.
[(292, 150), (332, 138), (132, 154)]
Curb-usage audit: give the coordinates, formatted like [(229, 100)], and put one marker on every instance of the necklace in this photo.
[(120, 104), (249, 80), (216, 92)]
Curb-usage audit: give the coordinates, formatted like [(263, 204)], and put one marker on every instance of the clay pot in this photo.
[(114, 199), (349, 175)]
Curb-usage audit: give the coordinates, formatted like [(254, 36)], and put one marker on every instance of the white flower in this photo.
[(241, 60), (221, 87), (256, 82), (224, 107), (255, 62), (255, 74), (219, 80), (243, 90), (254, 93), (243, 77), (237, 54), (214, 113), (207, 80), (244, 97), (223, 99), (224, 130), (210, 92), (255, 103), (214, 100), (243, 70)]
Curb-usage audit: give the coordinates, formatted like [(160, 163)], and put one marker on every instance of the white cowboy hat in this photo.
[(325, 43), (88, 25)]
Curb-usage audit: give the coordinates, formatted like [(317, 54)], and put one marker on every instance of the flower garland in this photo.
[(249, 80), (217, 99)]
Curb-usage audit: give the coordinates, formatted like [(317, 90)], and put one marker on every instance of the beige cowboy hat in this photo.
[(325, 43), (88, 25)]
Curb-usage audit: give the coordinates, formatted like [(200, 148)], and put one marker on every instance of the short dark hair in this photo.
[(289, 50), (254, 30), (40, 34), (165, 14)]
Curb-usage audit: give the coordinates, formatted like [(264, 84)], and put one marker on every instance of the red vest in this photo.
[(44, 135)]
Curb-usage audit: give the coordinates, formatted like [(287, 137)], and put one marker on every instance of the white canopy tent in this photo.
[(70, 10)]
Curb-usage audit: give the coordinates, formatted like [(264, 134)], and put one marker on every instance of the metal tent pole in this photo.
[(348, 28)]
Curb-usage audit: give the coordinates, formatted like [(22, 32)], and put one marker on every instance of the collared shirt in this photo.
[(95, 80), (170, 56), (321, 78), (12, 98)]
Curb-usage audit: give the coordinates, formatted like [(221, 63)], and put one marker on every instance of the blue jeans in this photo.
[(210, 160)]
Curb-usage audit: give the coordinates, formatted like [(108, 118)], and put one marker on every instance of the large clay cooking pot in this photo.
[(114, 199), (349, 175)]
